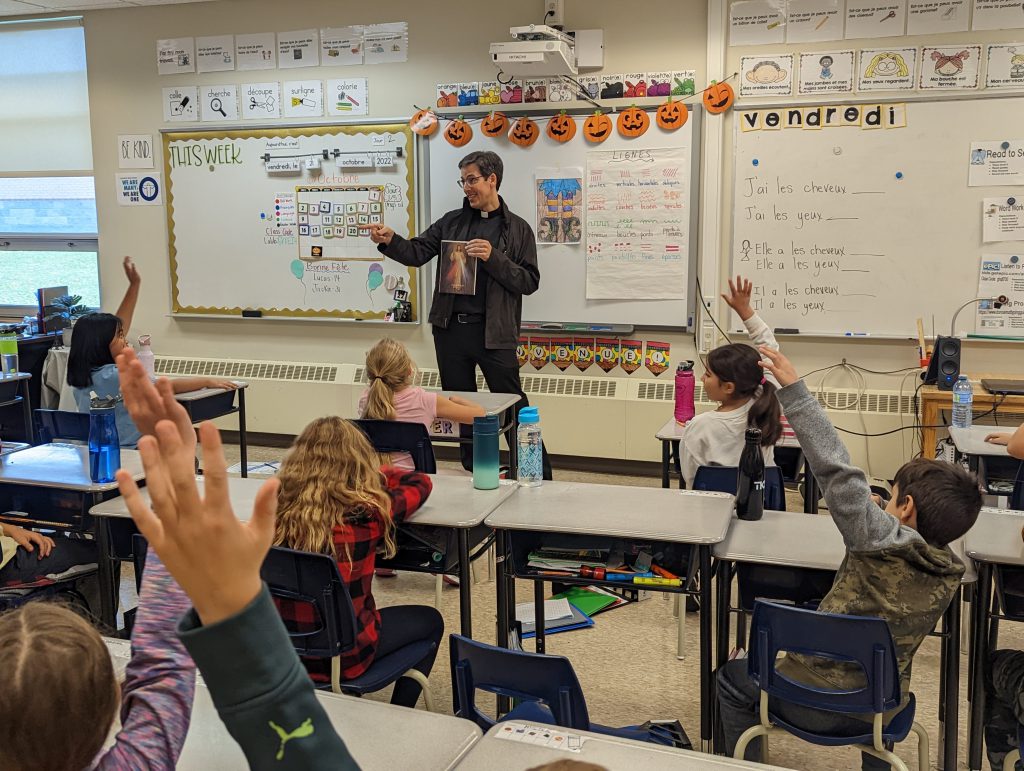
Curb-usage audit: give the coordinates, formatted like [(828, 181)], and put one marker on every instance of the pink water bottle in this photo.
[(684, 392)]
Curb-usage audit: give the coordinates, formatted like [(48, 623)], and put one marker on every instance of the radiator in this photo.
[(590, 416)]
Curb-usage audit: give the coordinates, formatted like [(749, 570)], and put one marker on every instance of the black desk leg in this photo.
[(465, 585), (665, 460), (810, 490), (723, 588), (538, 613), (106, 565), (707, 686), (979, 655), (951, 677), (243, 440), (677, 462), (26, 410), (501, 550)]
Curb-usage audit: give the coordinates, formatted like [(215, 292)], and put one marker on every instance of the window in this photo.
[(48, 230)]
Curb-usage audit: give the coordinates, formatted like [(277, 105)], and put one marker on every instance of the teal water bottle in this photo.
[(531, 448), (104, 444), (485, 452)]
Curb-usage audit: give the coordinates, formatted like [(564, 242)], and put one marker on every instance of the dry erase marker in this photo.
[(657, 581), (628, 576), (662, 572)]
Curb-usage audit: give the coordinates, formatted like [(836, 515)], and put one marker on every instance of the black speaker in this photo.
[(944, 367)]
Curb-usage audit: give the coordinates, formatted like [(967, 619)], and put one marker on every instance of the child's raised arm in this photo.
[(126, 310)]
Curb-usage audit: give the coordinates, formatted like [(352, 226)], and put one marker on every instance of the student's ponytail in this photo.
[(388, 368), (739, 364)]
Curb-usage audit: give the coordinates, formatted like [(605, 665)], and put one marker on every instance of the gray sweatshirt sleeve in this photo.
[(865, 527), (761, 334)]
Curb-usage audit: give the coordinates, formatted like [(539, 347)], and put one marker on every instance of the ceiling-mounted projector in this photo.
[(536, 50)]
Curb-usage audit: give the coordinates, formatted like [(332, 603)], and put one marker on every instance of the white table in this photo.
[(493, 404), (982, 457), (995, 540), (795, 540), (6, 448), (640, 514), (453, 503), (50, 483), (493, 753)]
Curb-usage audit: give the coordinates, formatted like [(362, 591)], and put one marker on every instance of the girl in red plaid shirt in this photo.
[(336, 499)]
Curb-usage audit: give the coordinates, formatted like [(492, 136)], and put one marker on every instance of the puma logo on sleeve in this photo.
[(304, 730)]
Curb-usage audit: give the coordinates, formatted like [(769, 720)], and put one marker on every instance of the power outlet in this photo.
[(707, 338), (554, 13)]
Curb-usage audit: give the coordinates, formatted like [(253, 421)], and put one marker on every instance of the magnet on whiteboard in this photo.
[(1005, 145), (1011, 201), (899, 175), (755, 161), (837, 150)]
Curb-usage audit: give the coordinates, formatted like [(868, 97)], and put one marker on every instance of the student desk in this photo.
[(50, 483), (790, 539), (987, 460), (934, 402), (10, 396), (494, 753), (210, 403), (994, 540), (493, 404), (454, 504), (671, 434), (595, 515)]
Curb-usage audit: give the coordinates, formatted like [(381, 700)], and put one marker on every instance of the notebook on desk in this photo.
[(1004, 387)]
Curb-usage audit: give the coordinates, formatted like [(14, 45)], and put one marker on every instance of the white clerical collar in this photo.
[(485, 214)]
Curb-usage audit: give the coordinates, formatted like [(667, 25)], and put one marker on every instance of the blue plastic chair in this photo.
[(310, 579), (58, 424), (389, 436), (545, 686), (863, 641), (722, 479)]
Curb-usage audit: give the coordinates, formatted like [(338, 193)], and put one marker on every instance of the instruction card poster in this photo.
[(875, 18), (810, 21), (1005, 67), (769, 75), (953, 66), (756, 22), (1001, 274), (637, 224), (997, 163), (1002, 219), (886, 69), (829, 72)]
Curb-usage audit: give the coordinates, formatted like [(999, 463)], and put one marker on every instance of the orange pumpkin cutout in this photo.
[(524, 132), (718, 97), (495, 124), (597, 127), (424, 123), (458, 132), (633, 122), (561, 127), (671, 115)]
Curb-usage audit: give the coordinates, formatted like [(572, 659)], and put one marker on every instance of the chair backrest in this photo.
[(517, 674), (722, 479), (313, 600), (397, 436), (57, 424), (852, 639)]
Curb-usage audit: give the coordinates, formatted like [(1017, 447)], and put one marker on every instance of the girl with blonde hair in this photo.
[(335, 499)]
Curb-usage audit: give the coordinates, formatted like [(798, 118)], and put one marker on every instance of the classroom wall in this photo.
[(448, 40)]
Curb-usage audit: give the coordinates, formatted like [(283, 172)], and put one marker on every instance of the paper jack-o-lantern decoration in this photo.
[(633, 122), (494, 124), (524, 132), (718, 97), (458, 132), (671, 115), (597, 127), (561, 127), (423, 122)]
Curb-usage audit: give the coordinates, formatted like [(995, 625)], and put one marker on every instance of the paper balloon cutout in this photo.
[(298, 268), (376, 276)]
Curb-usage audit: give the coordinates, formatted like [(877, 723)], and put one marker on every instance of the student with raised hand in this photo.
[(234, 634), (733, 377), (96, 341), (898, 564)]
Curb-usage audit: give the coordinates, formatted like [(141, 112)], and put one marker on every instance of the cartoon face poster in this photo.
[(559, 206), (886, 69), (1005, 66), (947, 67), (827, 72), (767, 75)]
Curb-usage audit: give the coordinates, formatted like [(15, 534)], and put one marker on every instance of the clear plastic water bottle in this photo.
[(963, 402), (750, 478), (146, 355), (531, 469), (684, 392), (104, 445)]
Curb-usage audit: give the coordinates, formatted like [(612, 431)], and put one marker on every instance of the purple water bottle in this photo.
[(684, 392)]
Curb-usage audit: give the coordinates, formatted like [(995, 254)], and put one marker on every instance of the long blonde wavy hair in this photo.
[(330, 473), (389, 368)]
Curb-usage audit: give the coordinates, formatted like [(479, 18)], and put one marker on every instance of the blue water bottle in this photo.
[(104, 445), (485, 452), (531, 449)]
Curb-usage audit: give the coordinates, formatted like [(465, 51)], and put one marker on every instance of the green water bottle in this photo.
[(9, 354)]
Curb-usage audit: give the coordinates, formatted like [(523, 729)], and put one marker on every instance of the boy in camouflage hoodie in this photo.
[(897, 566)]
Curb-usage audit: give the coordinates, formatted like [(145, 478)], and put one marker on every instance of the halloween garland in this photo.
[(631, 122)]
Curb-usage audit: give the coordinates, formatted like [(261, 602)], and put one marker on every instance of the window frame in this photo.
[(44, 242)]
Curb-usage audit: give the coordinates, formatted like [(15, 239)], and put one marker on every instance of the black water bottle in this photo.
[(750, 478)]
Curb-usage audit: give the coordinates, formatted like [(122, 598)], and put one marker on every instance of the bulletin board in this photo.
[(275, 220)]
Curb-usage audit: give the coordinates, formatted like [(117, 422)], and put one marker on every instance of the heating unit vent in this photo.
[(247, 370)]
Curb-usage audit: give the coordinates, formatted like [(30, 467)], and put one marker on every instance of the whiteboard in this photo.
[(562, 296), (888, 228), (293, 243)]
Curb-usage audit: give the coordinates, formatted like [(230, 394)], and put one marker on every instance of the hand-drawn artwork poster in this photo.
[(638, 216), (559, 206), (458, 269)]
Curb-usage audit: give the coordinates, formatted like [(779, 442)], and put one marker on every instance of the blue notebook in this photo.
[(579, 620)]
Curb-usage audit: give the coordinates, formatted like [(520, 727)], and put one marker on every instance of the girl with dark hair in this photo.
[(733, 377), (96, 340)]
